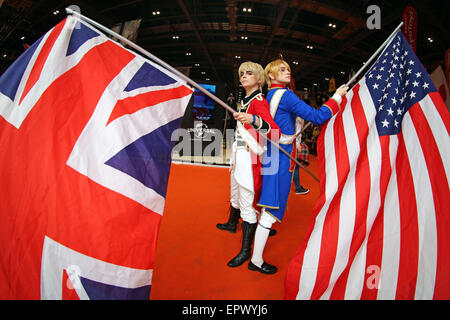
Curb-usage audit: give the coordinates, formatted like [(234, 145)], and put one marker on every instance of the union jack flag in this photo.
[(380, 226), (85, 134)]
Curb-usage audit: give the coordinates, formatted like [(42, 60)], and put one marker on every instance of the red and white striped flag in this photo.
[(380, 228)]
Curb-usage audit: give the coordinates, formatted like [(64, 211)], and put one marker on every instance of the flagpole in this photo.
[(176, 72), (385, 43)]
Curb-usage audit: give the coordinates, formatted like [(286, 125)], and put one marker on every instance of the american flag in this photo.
[(380, 225), (85, 134)]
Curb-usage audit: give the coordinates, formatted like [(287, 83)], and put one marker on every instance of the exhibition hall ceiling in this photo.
[(319, 39)]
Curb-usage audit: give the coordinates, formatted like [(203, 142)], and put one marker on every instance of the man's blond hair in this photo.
[(273, 68), (256, 69)]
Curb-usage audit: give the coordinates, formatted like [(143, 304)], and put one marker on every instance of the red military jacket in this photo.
[(257, 105)]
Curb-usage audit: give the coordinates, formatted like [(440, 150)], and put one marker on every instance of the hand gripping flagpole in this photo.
[(179, 74)]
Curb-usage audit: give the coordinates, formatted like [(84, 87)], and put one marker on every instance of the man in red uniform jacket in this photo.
[(245, 178)]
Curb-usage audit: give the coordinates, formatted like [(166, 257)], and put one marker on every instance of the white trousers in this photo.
[(242, 198)]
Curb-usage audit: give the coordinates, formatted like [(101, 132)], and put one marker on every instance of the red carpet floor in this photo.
[(192, 254)]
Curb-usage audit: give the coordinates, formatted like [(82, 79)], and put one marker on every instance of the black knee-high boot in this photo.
[(232, 222), (248, 233)]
